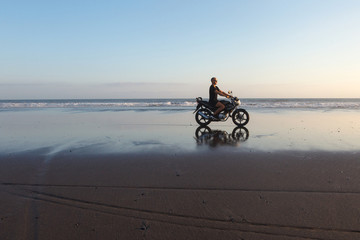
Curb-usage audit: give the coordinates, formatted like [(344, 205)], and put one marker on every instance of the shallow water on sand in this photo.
[(57, 130)]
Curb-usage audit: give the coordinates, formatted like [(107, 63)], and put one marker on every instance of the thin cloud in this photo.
[(127, 84), (23, 84)]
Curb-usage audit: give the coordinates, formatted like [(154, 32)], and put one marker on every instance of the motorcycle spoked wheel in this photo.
[(240, 117), (200, 119)]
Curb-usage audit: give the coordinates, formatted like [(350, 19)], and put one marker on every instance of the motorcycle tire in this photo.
[(200, 119), (240, 117)]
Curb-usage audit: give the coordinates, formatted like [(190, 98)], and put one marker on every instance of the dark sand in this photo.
[(202, 195)]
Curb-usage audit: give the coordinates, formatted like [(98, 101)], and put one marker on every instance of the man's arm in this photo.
[(222, 93)]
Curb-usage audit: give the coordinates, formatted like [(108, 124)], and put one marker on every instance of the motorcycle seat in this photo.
[(207, 104)]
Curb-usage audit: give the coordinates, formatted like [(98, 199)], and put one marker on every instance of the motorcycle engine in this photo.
[(222, 116)]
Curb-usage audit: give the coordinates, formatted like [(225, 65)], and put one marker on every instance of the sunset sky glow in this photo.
[(171, 49)]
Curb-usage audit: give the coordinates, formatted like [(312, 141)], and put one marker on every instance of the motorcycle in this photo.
[(204, 112)]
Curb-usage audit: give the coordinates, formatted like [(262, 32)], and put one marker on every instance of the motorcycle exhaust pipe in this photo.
[(203, 115)]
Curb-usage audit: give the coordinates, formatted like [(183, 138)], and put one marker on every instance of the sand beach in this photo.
[(156, 175)]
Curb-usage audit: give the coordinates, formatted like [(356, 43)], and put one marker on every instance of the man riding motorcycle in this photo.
[(213, 92)]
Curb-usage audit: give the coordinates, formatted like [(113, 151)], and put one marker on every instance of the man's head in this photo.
[(213, 80)]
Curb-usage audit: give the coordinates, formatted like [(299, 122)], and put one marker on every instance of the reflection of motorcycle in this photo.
[(205, 135), (204, 112)]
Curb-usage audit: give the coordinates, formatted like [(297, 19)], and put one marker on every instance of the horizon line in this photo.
[(30, 99)]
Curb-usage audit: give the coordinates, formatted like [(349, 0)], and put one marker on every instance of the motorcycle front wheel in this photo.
[(240, 117), (202, 117)]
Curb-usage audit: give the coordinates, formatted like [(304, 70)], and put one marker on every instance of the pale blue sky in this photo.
[(141, 49)]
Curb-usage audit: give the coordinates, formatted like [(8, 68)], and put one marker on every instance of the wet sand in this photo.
[(168, 184), (282, 195)]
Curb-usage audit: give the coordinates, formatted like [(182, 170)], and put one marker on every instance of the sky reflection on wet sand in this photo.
[(171, 132)]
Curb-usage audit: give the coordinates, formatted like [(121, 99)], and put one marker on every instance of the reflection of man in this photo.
[(213, 92)]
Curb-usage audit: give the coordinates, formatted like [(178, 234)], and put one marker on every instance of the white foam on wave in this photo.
[(95, 104), (303, 104)]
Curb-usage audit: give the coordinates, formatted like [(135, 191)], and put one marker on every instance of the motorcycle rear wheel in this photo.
[(202, 121), (240, 117)]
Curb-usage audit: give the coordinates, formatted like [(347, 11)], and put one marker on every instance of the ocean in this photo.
[(177, 104)]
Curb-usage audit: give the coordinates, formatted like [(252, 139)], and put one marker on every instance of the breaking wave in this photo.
[(176, 104)]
